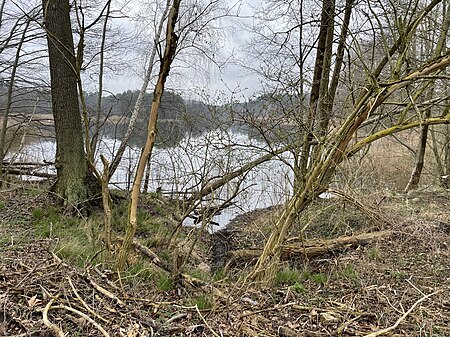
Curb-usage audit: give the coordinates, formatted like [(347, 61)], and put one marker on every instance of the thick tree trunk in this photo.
[(70, 160)]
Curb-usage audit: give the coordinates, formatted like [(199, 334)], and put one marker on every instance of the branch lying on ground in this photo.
[(53, 327), (313, 248), (393, 327)]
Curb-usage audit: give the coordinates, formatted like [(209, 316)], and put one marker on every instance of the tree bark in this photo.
[(169, 54), (140, 99), (312, 248), (416, 174), (71, 164)]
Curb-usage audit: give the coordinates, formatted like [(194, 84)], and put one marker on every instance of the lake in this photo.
[(183, 169)]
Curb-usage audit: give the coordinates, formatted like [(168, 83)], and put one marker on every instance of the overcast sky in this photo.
[(228, 79)]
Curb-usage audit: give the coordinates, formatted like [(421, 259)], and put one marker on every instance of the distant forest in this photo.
[(31, 113)]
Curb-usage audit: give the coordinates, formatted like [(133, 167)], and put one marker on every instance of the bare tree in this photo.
[(331, 147), (9, 97), (413, 182), (140, 100), (166, 61)]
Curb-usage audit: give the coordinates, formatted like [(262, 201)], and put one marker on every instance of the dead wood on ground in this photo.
[(312, 248)]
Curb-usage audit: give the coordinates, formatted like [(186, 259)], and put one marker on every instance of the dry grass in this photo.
[(350, 292), (387, 165)]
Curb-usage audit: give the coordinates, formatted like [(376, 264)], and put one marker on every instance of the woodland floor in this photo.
[(350, 292)]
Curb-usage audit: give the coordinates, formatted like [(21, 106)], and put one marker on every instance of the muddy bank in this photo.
[(232, 237)]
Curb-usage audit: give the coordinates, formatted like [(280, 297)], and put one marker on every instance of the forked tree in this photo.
[(388, 76)]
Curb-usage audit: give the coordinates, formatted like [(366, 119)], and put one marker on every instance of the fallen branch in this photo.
[(176, 317), (393, 327), (19, 172), (88, 308), (152, 256), (312, 248), (106, 292), (276, 307), (53, 327), (86, 317), (315, 248), (186, 278), (206, 323)]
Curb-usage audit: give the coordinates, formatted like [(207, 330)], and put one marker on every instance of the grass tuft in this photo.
[(203, 302), (287, 276)]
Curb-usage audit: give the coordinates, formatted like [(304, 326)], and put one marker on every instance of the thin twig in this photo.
[(389, 329), (56, 329), (86, 317), (88, 308), (277, 307), (107, 293), (206, 323), (176, 317)]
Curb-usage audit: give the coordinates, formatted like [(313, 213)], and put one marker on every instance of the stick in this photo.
[(86, 317), (176, 317), (206, 323), (386, 330), (107, 293), (277, 307), (88, 308), (56, 329)]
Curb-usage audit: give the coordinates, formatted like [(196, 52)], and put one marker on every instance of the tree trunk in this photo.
[(9, 98), (70, 162), (413, 183), (140, 100), (319, 90), (169, 54), (414, 180)]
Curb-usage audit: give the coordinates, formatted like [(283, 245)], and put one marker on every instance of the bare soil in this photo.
[(403, 280)]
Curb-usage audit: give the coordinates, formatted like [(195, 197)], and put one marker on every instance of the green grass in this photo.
[(319, 278), (374, 253), (203, 302), (164, 282), (141, 270), (287, 276), (219, 275), (78, 238), (201, 275), (299, 288), (349, 272), (397, 274)]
